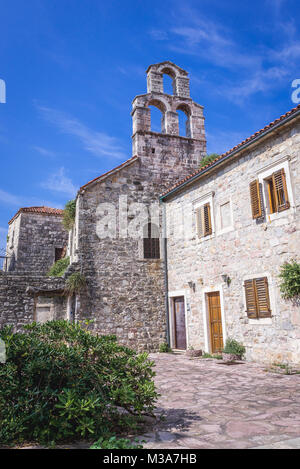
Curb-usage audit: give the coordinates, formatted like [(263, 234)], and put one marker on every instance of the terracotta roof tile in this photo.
[(40, 210), (240, 145)]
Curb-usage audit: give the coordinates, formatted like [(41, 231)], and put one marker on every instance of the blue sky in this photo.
[(72, 68)]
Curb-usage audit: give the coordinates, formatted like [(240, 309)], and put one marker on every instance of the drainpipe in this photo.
[(166, 272)]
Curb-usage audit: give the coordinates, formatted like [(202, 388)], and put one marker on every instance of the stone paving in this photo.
[(206, 404)]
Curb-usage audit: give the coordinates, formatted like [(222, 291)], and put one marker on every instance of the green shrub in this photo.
[(59, 268), (61, 383), (75, 283), (208, 159), (234, 347), (164, 348), (69, 214), (290, 279), (116, 443)]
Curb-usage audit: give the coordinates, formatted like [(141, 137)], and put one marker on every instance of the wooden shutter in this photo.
[(207, 220), (280, 191), (203, 220), (251, 306), (257, 298), (255, 199), (151, 243), (262, 297)]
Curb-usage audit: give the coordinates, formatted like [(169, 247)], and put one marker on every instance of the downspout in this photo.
[(166, 271)]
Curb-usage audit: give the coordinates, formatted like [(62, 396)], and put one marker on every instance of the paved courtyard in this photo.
[(206, 404)]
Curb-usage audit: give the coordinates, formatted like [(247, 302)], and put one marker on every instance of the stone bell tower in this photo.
[(168, 146)]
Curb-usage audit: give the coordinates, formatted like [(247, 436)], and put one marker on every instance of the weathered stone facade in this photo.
[(33, 236), (28, 298), (126, 292), (243, 248)]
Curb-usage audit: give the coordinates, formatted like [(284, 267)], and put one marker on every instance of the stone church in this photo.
[(170, 252)]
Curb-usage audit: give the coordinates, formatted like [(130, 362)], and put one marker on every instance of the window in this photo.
[(151, 242), (59, 253), (257, 298), (203, 219), (275, 192)]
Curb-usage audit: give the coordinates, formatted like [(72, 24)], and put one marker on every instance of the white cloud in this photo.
[(98, 143), (59, 182), (43, 151)]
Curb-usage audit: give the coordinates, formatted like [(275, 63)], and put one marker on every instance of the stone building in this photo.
[(36, 239), (125, 274), (230, 227)]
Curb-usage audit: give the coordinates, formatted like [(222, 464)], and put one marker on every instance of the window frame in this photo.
[(197, 204), (264, 176), (271, 290), (154, 244)]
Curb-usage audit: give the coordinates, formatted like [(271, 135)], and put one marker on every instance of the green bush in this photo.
[(164, 348), (116, 443), (69, 214), (61, 383), (59, 268), (208, 159), (234, 347), (290, 279), (75, 283)]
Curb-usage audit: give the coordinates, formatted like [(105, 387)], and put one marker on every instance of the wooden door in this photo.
[(215, 321), (179, 323)]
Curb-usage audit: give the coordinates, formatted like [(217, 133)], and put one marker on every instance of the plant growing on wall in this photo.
[(59, 267), (208, 159), (290, 279), (69, 214), (75, 283)]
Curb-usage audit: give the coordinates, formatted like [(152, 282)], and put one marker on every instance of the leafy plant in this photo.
[(234, 347), (290, 279), (208, 355), (75, 283), (69, 214), (61, 382), (59, 267), (116, 443), (208, 159), (164, 348)]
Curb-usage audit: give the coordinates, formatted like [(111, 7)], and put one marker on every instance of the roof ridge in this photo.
[(38, 209), (235, 148), (104, 175)]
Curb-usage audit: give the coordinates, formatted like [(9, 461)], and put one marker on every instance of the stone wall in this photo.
[(20, 294), (246, 248), (32, 239)]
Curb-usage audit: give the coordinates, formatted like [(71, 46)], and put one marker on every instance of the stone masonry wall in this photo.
[(19, 295), (248, 248), (33, 239)]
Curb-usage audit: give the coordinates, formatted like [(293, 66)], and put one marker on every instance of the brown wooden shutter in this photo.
[(207, 220), (262, 297), (280, 191), (257, 298), (255, 199), (251, 306), (199, 222)]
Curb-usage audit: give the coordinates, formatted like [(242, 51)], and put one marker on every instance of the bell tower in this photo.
[(168, 144)]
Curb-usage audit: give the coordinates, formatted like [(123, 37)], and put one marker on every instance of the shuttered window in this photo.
[(203, 219), (257, 298), (151, 242), (255, 199), (280, 191)]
